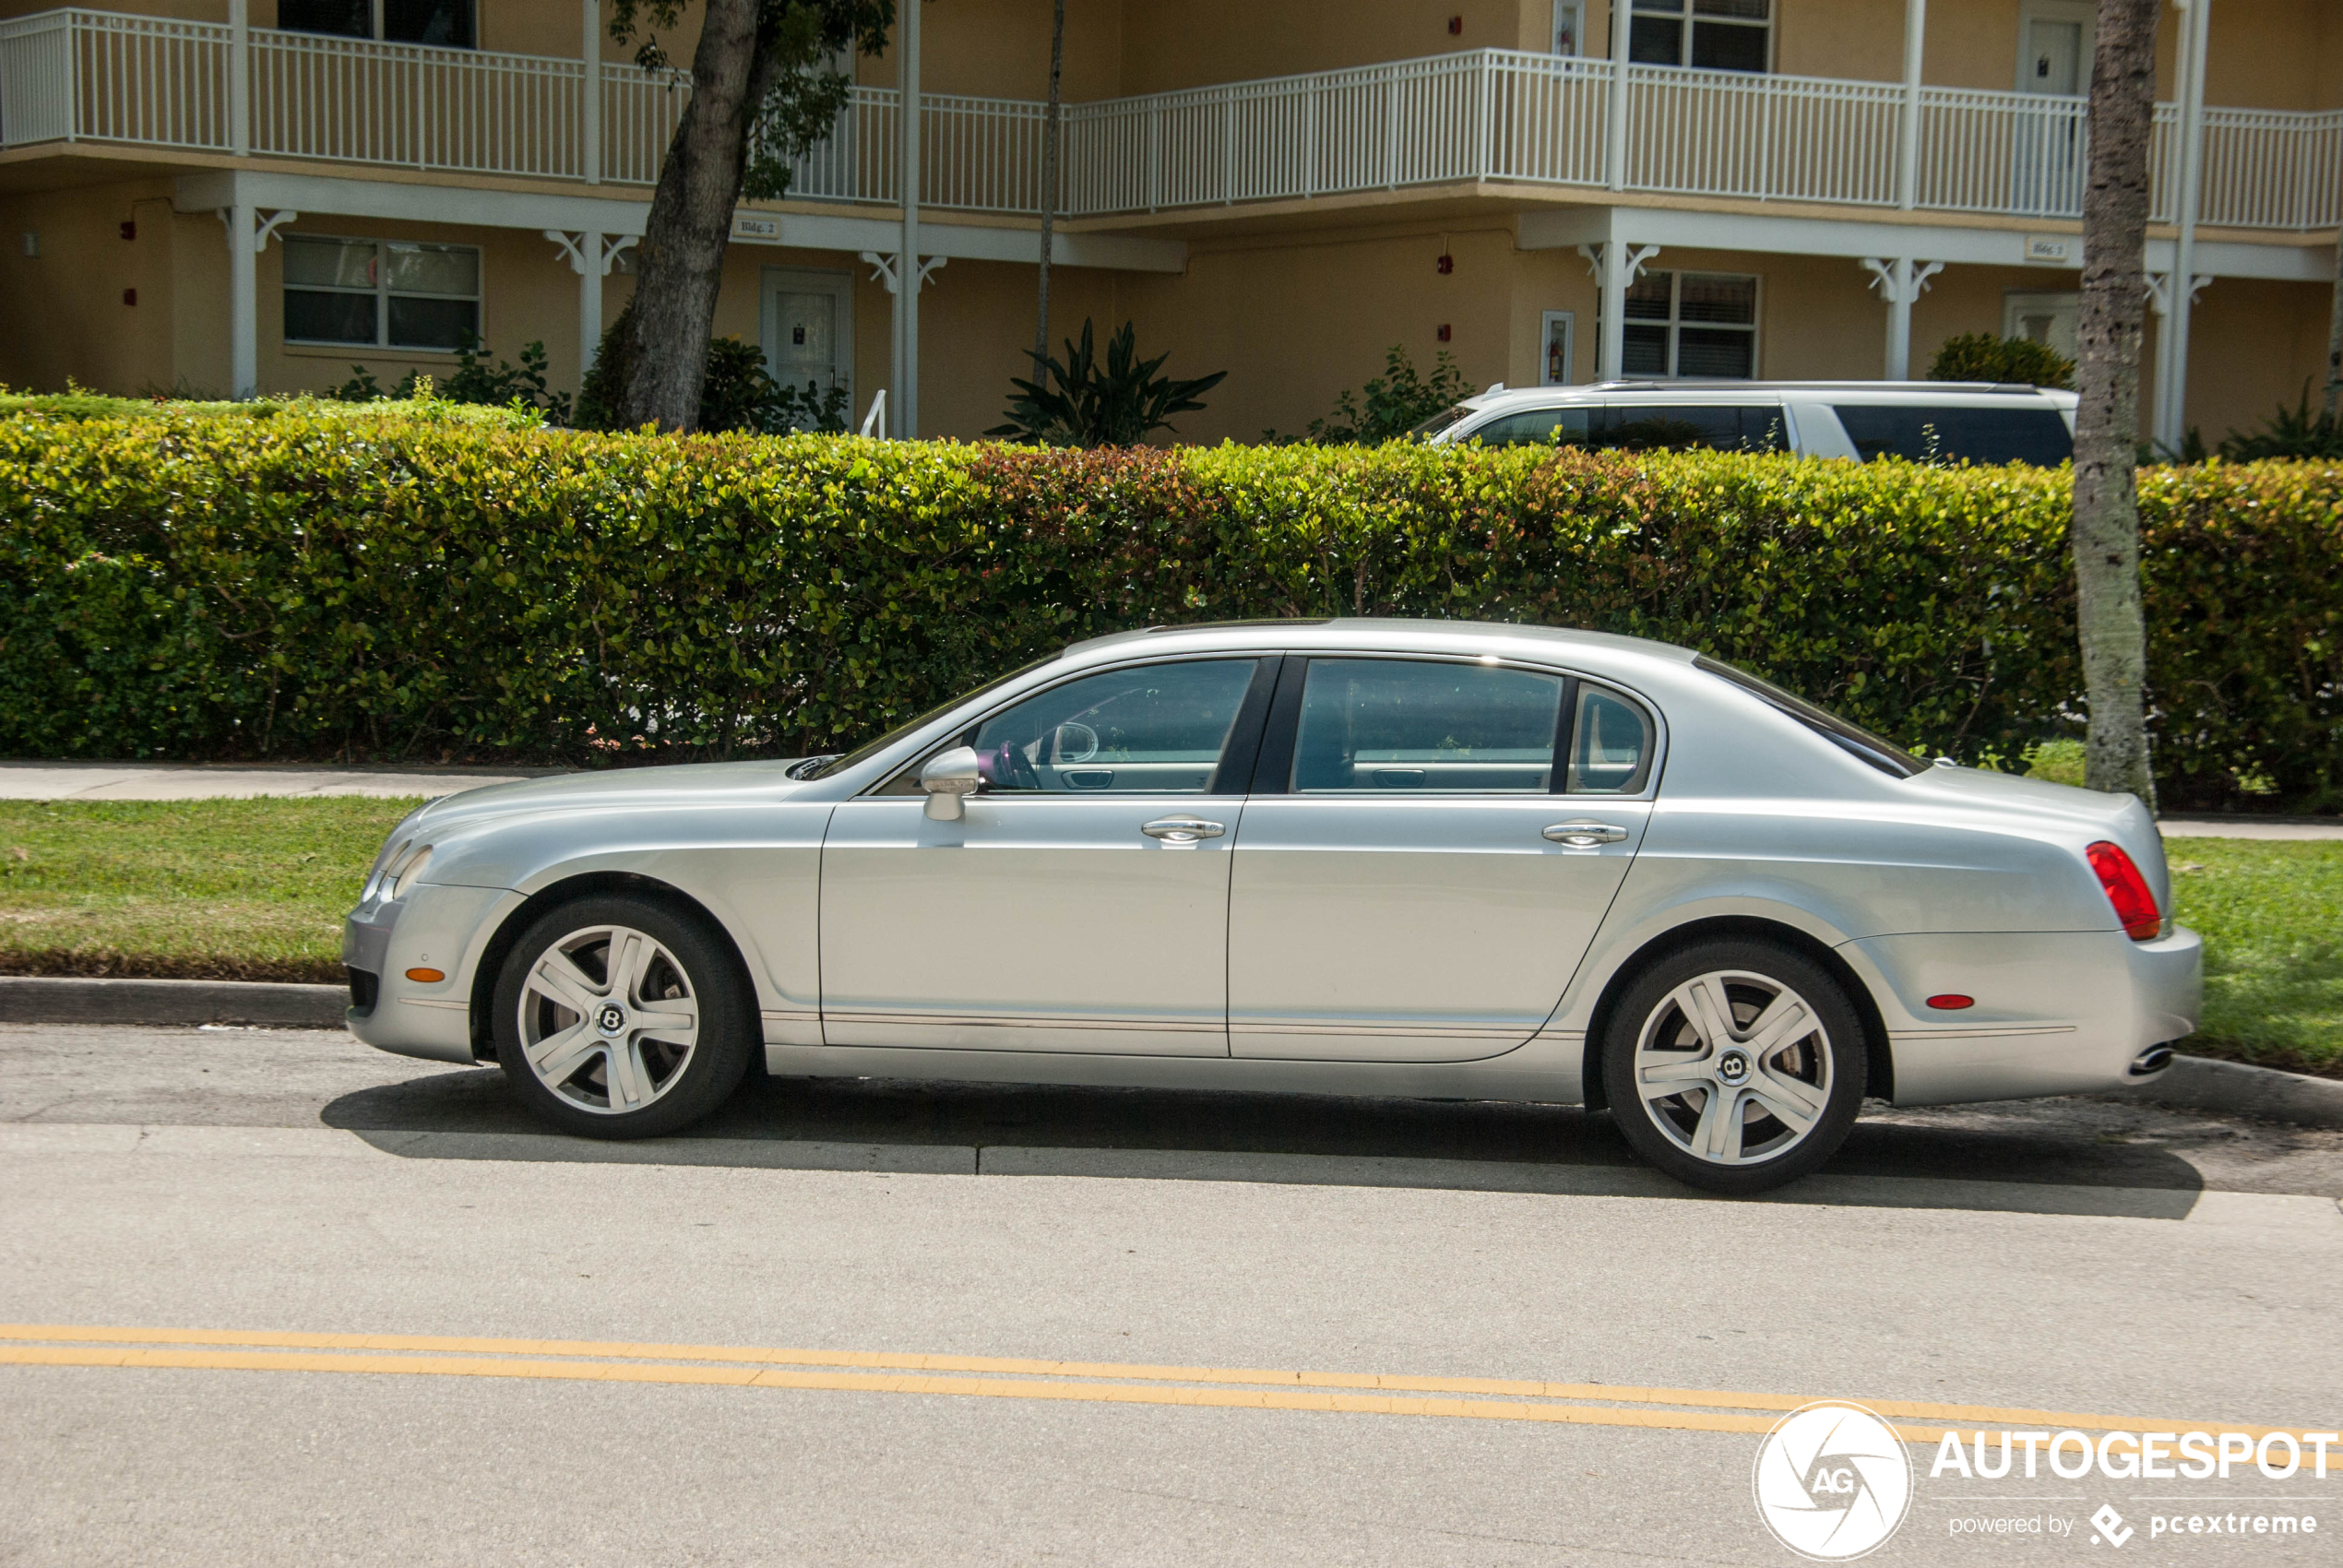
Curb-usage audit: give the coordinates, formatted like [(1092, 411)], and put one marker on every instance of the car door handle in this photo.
[(1586, 835), (1183, 829)]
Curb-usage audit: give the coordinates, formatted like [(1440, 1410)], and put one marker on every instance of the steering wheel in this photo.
[(1011, 770), (1081, 735)]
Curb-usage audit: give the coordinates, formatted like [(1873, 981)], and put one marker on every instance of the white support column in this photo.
[(247, 237), (907, 294), (1614, 145), (2171, 421), (590, 98), (239, 77), (1614, 264), (1901, 282), (1907, 133)]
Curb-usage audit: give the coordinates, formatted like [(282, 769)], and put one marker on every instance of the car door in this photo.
[(1415, 880), (1081, 902)]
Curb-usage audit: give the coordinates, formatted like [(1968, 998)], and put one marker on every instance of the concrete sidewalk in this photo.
[(200, 781)]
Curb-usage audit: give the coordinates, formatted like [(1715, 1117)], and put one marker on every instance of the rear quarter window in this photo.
[(1952, 432)]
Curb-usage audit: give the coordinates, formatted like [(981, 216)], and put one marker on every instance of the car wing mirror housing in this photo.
[(950, 777)]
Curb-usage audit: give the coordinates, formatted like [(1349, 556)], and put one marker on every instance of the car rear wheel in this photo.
[(617, 1017), (1734, 1065)]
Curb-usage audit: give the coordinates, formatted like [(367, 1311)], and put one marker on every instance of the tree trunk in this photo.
[(680, 263), (1050, 118), (2107, 526)]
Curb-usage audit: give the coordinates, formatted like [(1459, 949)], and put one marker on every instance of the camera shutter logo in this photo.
[(1832, 1481)]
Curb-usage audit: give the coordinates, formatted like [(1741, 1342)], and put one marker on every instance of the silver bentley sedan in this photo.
[(1356, 857)]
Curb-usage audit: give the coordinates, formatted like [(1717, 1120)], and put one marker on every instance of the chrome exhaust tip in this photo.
[(2152, 1061)]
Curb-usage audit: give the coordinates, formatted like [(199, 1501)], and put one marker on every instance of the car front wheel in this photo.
[(1734, 1065), (617, 1017)]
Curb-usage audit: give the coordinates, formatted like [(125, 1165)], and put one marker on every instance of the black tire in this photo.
[(683, 967), (1814, 1066)]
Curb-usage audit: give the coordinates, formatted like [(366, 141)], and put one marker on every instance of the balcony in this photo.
[(73, 76)]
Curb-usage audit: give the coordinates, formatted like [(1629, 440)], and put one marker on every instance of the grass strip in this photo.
[(257, 889)]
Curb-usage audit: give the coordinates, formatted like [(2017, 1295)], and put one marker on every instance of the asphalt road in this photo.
[(833, 1328)]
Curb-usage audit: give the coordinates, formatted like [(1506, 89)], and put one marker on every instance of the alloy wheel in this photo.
[(608, 1021), (1733, 1068)]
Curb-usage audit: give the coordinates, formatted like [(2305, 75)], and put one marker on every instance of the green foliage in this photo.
[(737, 394), (796, 42), (2272, 918), (1394, 403), (507, 385), (2061, 762), (1980, 356), (321, 583), (2297, 432), (1120, 403)]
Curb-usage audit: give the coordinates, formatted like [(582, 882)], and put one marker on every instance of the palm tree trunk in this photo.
[(1050, 174), (2107, 527), (680, 263)]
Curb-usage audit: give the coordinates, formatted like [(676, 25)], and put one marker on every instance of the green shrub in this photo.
[(2297, 431), (737, 394), (1980, 356), (1394, 403), (1086, 402), (327, 586), (2061, 762)]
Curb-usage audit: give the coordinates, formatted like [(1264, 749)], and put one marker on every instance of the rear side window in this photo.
[(1659, 427), (1385, 726), (1611, 744), (1542, 427), (1950, 432)]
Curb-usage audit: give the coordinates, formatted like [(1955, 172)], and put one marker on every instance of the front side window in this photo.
[(381, 293), (1154, 729), (446, 24), (1695, 323), (1655, 427), (1709, 35), (1950, 432), (1389, 725)]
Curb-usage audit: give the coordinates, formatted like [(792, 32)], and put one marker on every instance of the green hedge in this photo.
[(315, 586)]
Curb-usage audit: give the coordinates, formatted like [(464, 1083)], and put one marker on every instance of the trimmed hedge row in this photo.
[(306, 587)]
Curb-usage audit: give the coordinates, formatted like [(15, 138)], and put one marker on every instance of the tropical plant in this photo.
[(1980, 356), (505, 386), (1394, 403), (736, 394), (1119, 403), (2297, 432)]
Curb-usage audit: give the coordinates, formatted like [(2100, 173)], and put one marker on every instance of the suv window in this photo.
[(1950, 432), (1649, 427), (1544, 427), (1153, 729), (1381, 726)]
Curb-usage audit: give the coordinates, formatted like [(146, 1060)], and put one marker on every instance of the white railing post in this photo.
[(1615, 149), (907, 294), (1487, 78), (589, 100), (1908, 132), (244, 304), (2171, 350), (239, 77)]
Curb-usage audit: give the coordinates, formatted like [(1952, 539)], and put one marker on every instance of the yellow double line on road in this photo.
[(585, 1360)]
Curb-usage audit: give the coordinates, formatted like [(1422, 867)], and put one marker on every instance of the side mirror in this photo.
[(949, 778)]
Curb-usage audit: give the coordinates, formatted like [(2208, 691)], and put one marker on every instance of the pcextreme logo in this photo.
[(1833, 1483)]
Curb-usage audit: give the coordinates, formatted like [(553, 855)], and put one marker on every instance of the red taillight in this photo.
[(2127, 890)]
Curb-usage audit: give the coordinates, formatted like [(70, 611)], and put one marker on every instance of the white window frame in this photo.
[(1570, 15), (1568, 321), (1675, 324), (382, 292), (1683, 11)]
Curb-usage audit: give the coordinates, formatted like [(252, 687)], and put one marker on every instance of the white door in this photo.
[(2047, 151), (1082, 902), (809, 329), (1409, 887)]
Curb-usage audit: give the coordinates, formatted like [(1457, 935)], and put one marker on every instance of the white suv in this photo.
[(1925, 420)]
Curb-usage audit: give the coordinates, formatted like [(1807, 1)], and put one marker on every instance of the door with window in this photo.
[(2053, 69), (1428, 850), (1081, 904), (809, 339)]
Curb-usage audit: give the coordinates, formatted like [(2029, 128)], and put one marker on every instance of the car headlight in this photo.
[(406, 863), (391, 851)]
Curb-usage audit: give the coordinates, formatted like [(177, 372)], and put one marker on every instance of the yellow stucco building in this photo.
[(236, 195)]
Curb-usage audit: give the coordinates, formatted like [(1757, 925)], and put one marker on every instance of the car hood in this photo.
[(706, 783)]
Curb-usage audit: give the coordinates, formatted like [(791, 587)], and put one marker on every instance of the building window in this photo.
[(446, 24), (1698, 323), (381, 293), (1709, 35)]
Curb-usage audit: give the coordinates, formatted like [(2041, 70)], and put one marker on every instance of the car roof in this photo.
[(1375, 634), (1505, 398)]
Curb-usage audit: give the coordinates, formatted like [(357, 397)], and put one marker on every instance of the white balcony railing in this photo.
[(1491, 114)]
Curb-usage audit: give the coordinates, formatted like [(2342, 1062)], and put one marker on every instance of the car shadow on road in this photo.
[(996, 1129)]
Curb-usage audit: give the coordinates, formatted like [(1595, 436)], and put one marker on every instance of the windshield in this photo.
[(1450, 415), (1883, 755), (869, 749)]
